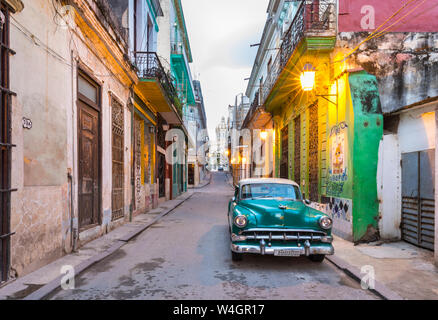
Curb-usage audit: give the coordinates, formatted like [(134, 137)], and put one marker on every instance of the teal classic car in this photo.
[(270, 216)]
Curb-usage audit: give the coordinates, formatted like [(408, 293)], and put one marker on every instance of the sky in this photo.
[(220, 34)]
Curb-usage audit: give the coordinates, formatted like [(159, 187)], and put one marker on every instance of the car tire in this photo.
[(236, 256), (317, 257)]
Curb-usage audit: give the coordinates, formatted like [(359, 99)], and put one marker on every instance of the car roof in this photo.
[(267, 180)]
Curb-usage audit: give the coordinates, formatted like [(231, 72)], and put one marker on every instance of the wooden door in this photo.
[(284, 164), (191, 174), (118, 162), (297, 150), (313, 153), (89, 170), (161, 175)]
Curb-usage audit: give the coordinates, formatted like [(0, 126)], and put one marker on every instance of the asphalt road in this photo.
[(187, 256)]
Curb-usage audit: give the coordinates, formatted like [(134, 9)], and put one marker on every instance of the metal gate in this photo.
[(418, 193), (313, 153), (5, 146), (118, 161), (284, 172)]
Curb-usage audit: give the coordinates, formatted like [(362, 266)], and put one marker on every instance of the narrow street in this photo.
[(187, 256)]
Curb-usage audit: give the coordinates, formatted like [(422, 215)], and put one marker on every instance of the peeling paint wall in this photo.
[(405, 64)]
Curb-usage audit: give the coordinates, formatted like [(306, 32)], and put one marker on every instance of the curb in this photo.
[(379, 289), (53, 285)]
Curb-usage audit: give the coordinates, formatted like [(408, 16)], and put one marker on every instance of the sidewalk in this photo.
[(41, 282), (404, 269)]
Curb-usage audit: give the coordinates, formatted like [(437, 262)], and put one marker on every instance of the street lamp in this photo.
[(308, 83), (308, 77), (263, 135)]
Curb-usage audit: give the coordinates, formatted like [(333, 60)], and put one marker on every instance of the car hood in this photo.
[(267, 213)]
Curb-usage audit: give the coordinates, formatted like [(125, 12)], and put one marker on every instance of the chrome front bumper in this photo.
[(305, 250)]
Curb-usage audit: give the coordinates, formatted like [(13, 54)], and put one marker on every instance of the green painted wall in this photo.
[(368, 131)]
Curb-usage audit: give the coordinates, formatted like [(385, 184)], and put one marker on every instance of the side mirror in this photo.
[(307, 201)]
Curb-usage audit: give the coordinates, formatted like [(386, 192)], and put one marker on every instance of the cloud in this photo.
[(220, 33)]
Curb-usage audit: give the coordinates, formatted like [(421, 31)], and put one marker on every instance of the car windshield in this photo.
[(270, 190)]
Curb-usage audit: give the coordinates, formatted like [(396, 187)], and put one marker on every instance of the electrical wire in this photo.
[(382, 33)]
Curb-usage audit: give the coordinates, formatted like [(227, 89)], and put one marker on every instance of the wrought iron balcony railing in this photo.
[(149, 67), (313, 18)]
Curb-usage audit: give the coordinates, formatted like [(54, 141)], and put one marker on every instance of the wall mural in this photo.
[(338, 170)]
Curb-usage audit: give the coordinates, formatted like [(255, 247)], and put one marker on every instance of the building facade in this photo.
[(196, 122), (84, 80), (72, 95), (175, 51), (340, 96)]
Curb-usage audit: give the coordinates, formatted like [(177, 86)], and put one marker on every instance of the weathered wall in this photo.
[(43, 74), (39, 169), (416, 131), (405, 64)]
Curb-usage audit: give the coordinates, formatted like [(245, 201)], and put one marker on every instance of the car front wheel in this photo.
[(236, 256), (317, 257)]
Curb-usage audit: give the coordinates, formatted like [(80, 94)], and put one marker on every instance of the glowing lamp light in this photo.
[(243, 160), (263, 135), (308, 77)]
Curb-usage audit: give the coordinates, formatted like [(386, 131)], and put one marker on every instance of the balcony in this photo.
[(157, 83), (181, 70), (314, 19)]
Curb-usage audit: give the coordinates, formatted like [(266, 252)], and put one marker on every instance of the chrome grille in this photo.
[(283, 234)]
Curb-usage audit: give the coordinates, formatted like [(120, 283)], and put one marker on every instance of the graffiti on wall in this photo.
[(338, 171)]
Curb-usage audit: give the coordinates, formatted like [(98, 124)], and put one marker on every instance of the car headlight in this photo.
[(325, 222), (241, 221)]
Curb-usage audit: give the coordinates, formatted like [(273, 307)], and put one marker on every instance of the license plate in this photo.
[(287, 253)]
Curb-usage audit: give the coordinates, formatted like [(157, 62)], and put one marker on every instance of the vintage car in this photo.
[(270, 216)]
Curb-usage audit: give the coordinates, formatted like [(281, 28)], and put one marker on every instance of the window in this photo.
[(87, 89), (271, 190)]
